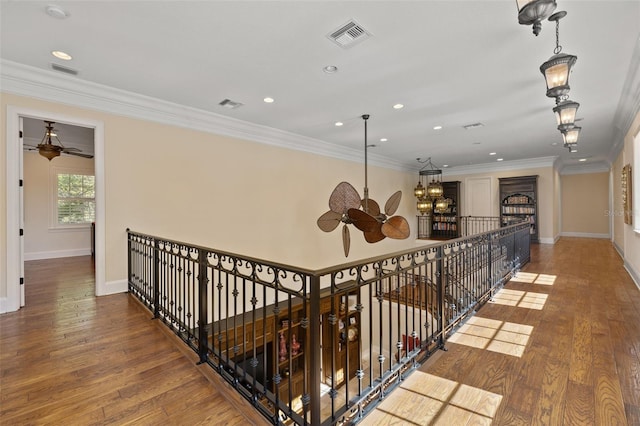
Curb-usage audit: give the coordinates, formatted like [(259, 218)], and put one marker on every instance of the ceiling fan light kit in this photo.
[(346, 207), (49, 150)]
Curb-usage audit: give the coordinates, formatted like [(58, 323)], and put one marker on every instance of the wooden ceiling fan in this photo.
[(49, 150), (346, 206)]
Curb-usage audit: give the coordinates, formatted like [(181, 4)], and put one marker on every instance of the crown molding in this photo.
[(628, 106), (578, 169), (500, 166), (24, 80)]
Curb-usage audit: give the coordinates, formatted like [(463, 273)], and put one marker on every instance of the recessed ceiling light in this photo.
[(437, 127), (492, 153), (398, 106), (499, 159), (269, 100), (61, 55), (445, 165), (554, 143), (339, 123), (57, 12), (383, 139), (582, 159), (330, 69)]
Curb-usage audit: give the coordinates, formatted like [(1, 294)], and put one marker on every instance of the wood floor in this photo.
[(560, 345), (70, 358)]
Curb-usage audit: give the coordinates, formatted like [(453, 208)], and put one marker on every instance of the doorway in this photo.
[(15, 198)]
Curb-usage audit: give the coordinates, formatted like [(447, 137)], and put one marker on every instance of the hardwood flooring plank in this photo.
[(70, 358), (580, 404), (580, 367)]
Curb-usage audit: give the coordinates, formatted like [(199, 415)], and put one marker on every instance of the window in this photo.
[(74, 199)]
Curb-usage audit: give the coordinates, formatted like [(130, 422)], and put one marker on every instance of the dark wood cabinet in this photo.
[(446, 224), (340, 338), (519, 201)]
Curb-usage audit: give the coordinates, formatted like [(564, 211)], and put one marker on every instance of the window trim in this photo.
[(54, 225)]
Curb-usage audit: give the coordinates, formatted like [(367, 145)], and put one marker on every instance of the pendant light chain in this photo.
[(558, 48)]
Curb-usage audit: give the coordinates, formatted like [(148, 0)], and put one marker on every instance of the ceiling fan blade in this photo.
[(396, 227), (79, 154), (372, 207), (393, 203), (329, 221), (346, 240), (375, 234), (66, 148), (362, 220), (343, 198)]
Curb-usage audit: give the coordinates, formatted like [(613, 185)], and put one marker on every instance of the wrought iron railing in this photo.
[(471, 225), (323, 346), (430, 226)]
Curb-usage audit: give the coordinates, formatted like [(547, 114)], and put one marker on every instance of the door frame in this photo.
[(14, 257)]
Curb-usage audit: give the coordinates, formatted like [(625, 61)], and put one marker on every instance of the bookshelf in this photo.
[(445, 225), (518, 201)]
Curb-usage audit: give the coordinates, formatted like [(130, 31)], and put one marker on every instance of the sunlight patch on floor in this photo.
[(520, 299), (427, 399), (497, 336), (533, 278)]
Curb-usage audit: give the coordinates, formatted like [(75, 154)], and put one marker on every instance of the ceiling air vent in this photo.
[(349, 34), (228, 103), (66, 70), (473, 126)]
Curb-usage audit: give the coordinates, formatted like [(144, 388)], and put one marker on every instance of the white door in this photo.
[(479, 198), (21, 214)]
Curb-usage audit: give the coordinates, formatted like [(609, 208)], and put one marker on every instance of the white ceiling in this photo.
[(451, 63)]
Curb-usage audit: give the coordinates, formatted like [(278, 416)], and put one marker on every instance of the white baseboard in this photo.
[(547, 240), (4, 302), (56, 254), (618, 249), (635, 275), (585, 235), (113, 287)]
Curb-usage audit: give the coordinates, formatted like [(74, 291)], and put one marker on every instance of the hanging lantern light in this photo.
[(434, 189), (533, 12), (557, 69), (566, 114), (419, 190), (442, 204), (570, 136), (424, 205)]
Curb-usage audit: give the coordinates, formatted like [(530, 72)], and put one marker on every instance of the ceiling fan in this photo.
[(346, 206), (47, 149)]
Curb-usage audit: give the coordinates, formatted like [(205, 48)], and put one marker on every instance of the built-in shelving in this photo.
[(518, 201)]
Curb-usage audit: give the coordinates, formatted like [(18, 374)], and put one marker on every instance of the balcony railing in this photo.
[(319, 347)]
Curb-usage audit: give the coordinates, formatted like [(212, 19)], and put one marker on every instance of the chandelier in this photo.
[(429, 188)]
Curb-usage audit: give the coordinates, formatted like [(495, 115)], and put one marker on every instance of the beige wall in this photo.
[(545, 194), (557, 207), (616, 210), (585, 204), (225, 193), (40, 241), (631, 237)]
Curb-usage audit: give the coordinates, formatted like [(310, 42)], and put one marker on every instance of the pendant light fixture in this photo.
[(570, 136), (557, 69), (533, 12), (429, 188), (566, 114)]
